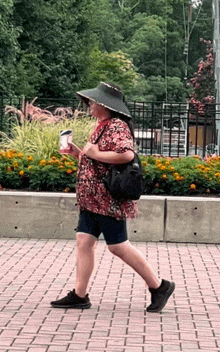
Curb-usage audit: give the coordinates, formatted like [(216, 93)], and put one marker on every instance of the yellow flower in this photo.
[(15, 164), (163, 167), (21, 173), (20, 155), (29, 167), (68, 171), (164, 176), (10, 154), (30, 158), (67, 189), (172, 168), (176, 174), (217, 174), (61, 167), (43, 162), (177, 178), (192, 186)]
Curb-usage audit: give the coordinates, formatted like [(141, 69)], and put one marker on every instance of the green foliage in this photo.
[(111, 67), (29, 172), (52, 48), (189, 176), (181, 176)]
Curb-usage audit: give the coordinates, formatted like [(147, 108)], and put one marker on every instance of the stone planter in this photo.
[(55, 215)]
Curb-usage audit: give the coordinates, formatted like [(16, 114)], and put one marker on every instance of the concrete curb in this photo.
[(165, 219)]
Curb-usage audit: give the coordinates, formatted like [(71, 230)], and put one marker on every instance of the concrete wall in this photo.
[(55, 215)]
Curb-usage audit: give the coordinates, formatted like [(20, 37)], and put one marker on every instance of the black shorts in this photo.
[(114, 231)]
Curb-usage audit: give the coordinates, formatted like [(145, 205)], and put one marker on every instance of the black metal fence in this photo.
[(168, 129)]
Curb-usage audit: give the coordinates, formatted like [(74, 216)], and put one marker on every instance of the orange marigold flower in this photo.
[(176, 174), (67, 189), (30, 158), (43, 162), (217, 174), (192, 186), (9, 168), (21, 173), (20, 155), (15, 164), (68, 171), (172, 168), (164, 176)]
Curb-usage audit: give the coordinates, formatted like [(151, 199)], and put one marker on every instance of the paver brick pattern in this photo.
[(34, 272)]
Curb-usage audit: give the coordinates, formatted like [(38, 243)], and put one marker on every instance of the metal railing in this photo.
[(169, 129)]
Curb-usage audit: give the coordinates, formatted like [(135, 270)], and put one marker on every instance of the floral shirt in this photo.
[(91, 192)]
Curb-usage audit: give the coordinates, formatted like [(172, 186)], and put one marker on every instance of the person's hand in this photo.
[(91, 150), (73, 149)]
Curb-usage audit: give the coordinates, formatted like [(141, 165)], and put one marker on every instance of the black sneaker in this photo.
[(160, 296), (72, 301)]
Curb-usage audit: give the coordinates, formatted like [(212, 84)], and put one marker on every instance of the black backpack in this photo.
[(125, 181)]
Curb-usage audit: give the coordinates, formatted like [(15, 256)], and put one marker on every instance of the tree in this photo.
[(114, 67), (203, 82), (9, 46)]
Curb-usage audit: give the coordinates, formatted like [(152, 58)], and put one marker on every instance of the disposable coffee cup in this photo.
[(65, 138)]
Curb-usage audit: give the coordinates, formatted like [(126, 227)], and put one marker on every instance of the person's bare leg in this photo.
[(85, 245), (135, 259)]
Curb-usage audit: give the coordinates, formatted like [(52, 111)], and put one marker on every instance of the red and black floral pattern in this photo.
[(91, 192)]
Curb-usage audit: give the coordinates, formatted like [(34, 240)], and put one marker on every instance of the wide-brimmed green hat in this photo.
[(107, 96)]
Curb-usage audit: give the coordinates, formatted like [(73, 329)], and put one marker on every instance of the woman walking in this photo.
[(111, 143)]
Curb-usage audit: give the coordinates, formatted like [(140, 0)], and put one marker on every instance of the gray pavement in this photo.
[(34, 272)]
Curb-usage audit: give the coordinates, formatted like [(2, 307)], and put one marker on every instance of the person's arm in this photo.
[(109, 157)]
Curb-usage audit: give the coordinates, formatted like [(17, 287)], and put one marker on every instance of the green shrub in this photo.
[(162, 176), (19, 171), (181, 176)]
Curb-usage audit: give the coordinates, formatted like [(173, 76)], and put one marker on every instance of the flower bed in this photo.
[(29, 172), (181, 176), (162, 175)]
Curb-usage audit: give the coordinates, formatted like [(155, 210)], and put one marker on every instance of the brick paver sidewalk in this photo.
[(34, 272)]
